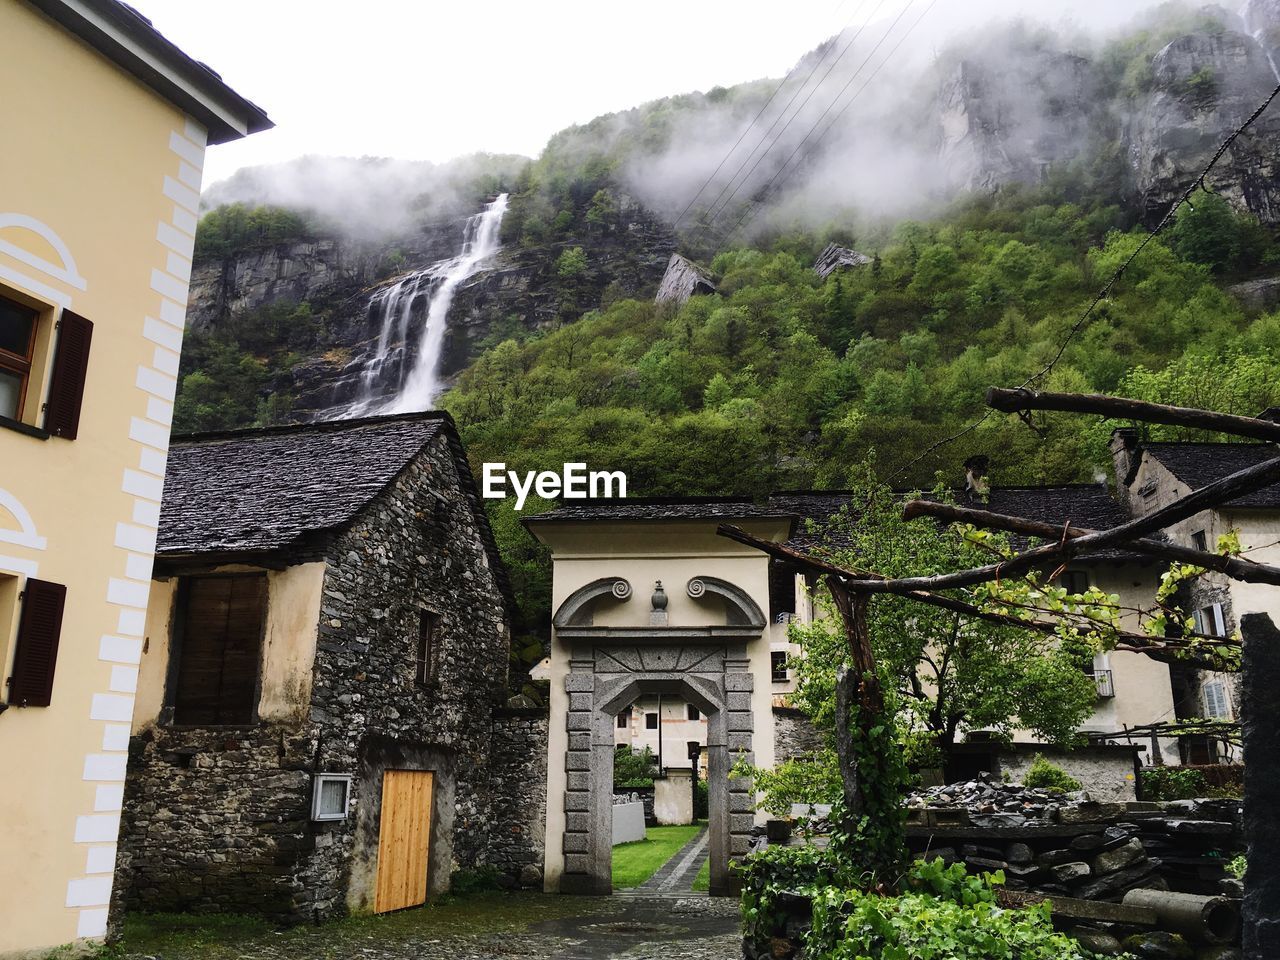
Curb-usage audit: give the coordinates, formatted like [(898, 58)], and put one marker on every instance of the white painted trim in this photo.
[(132, 623), (189, 175), (26, 568), (128, 593), (173, 314), (108, 797), (185, 221), (115, 736), (92, 923), (166, 361), (131, 537), (162, 334), (42, 290), (179, 266), (137, 566), (98, 828), (65, 271), (169, 286), (194, 132), (151, 434), (25, 535), (115, 707), (147, 514), (120, 649), (156, 383), (124, 679), (161, 411), (152, 461), (90, 892), (106, 766), (101, 859), (142, 485), (192, 153)]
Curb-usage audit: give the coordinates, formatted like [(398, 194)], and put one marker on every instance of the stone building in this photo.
[(321, 722), (1151, 476)]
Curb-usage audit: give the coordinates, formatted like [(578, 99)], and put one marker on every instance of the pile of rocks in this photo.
[(991, 803), (1091, 866)]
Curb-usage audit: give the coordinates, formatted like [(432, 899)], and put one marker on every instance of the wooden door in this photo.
[(404, 839)]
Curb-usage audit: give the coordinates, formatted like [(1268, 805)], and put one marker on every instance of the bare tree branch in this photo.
[(1167, 650), (1120, 408), (1212, 495), (1246, 570)]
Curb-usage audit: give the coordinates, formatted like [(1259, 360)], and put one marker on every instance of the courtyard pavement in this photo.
[(519, 926)]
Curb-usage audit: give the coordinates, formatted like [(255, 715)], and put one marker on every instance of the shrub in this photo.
[(468, 881), (1172, 783), (632, 768), (1045, 775)]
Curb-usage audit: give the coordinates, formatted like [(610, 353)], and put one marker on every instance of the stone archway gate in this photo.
[(609, 667)]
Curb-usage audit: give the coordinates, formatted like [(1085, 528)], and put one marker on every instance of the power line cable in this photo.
[(827, 129), (754, 120), (713, 212), (1197, 183)]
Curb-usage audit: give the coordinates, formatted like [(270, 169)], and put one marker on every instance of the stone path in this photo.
[(517, 926), (676, 876)]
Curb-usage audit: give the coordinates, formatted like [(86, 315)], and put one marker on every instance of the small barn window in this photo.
[(651, 721), (331, 796), (220, 622), (1074, 581), (623, 719), (693, 713), (428, 642), (1210, 620), (778, 666), (1200, 540)]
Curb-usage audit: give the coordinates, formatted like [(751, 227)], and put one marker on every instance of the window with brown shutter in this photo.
[(36, 654), (66, 384), (218, 648)]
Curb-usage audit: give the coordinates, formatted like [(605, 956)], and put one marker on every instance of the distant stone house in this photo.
[(321, 723), (1153, 475)]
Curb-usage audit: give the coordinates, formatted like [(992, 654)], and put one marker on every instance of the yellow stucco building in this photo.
[(105, 125)]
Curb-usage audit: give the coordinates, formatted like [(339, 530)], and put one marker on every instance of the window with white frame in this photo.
[(331, 796), (1215, 700), (1210, 621)]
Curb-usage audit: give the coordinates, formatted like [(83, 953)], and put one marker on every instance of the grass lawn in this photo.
[(702, 882), (634, 863)]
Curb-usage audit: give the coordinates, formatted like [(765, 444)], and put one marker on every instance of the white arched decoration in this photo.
[(25, 534), (66, 271)]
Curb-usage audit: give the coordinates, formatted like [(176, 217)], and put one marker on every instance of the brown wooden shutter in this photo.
[(36, 654), (219, 650), (70, 367)]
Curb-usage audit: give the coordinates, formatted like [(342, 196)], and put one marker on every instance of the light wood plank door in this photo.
[(404, 839)]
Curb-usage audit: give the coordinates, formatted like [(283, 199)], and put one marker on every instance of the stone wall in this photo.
[(1106, 772), (518, 794), (219, 819), (415, 550), (793, 734), (216, 820)]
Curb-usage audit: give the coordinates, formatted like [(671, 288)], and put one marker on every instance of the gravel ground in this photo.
[(490, 927)]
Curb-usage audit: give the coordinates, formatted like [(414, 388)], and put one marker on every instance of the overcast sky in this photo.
[(434, 80)]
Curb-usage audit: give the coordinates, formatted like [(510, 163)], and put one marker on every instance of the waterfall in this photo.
[(385, 385), (1260, 35)]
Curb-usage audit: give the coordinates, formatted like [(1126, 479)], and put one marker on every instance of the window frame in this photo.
[(776, 675), (1213, 616), (1219, 689), (178, 643), (23, 366), (692, 713), (1200, 540), (317, 782), (651, 717), (623, 720), (426, 651)]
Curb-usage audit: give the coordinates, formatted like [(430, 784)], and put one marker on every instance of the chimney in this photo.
[(1126, 454), (976, 484)]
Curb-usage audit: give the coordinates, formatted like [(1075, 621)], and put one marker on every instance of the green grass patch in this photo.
[(634, 863), (702, 882)]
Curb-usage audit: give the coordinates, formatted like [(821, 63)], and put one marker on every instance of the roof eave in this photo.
[(123, 36)]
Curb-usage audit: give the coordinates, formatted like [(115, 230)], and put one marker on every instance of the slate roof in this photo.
[(658, 509), (262, 490), (1084, 505), (1199, 464)]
